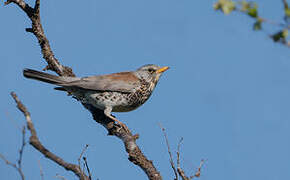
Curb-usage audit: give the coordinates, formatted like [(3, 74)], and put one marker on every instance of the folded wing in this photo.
[(121, 82)]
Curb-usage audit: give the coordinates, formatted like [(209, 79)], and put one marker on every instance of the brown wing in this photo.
[(121, 82)]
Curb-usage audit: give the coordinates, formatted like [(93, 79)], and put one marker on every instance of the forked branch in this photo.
[(35, 142), (17, 166), (178, 171)]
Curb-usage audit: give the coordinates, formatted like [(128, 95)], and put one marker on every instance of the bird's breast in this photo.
[(120, 102)]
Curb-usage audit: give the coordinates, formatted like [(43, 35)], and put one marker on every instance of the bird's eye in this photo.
[(151, 70)]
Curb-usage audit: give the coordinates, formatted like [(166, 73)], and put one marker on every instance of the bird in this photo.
[(116, 92)]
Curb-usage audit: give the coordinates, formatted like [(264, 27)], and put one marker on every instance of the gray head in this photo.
[(150, 73)]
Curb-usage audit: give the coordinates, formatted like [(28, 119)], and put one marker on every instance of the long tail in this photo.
[(45, 77)]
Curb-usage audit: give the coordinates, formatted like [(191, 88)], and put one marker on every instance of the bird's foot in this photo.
[(120, 123)]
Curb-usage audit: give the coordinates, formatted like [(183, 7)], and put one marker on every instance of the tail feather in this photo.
[(41, 76)]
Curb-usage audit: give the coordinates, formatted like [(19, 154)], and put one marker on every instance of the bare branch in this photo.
[(82, 153), (135, 154), (198, 172), (87, 167), (8, 162), (182, 174), (79, 159), (18, 167), (34, 141), (37, 30), (180, 170), (19, 170), (178, 152), (22, 147), (169, 151)]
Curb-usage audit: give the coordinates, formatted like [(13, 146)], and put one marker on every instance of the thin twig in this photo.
[(13, 165), (83, 169), (87, 167), (178, 152), (8, 162), (34, 141), (169, 151), (40, 170), (79, 159), (198, 172), (180, 170), (182, 174), (22, 148), (81, 155), (17, 166)]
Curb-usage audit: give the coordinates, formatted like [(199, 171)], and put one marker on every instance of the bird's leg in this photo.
[(108, 111)]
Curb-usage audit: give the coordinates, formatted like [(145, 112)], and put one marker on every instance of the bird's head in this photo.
[(151, 73)]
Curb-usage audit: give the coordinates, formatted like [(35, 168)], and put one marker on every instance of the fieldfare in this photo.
[(117, 92)]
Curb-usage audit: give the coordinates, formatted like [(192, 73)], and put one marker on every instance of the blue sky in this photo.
[(227, 92)]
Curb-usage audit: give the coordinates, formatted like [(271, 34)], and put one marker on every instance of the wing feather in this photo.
[(120, 82)]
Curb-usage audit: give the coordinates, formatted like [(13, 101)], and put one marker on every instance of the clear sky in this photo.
[(227, 92)]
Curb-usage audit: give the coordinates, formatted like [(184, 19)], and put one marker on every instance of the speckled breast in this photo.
[(119, 101), (134, 100)]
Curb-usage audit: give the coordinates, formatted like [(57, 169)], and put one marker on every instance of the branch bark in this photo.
[(37, 30), (129, 140), (134, 152), (35, 142)]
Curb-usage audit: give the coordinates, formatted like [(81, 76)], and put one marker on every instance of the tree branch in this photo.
[(18, 167), (170, 154), (82, 153), (250, 8), (79, 159), (35, 142), (37, 30), (135, 154), (179, 171), (22, 148), (13, 165), (87, 167)]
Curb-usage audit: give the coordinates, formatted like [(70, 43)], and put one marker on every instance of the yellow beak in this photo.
[(161, 70)]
